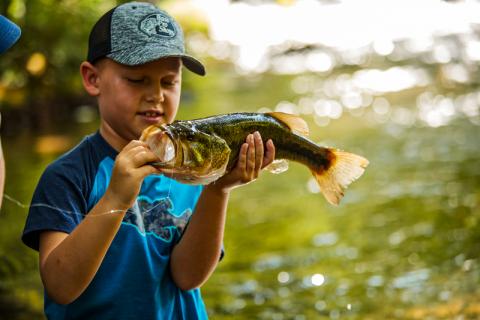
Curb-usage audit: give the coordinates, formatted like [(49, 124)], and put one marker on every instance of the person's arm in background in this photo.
[(9, 34), (197, 254), (2, 170)]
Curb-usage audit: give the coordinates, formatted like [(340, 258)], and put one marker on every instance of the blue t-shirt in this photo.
[(133, 281)]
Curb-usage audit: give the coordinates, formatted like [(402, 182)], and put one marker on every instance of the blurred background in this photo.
[(395, 81)]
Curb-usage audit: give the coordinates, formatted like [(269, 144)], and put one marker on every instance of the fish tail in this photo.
[(344, 168)]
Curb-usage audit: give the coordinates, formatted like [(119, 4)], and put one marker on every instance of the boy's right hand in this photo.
[(131, 167)]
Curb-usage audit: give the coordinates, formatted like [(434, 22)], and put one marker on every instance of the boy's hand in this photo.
[(251, 160), (131, 167)]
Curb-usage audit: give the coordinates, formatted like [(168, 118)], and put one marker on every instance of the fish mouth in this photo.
[(162, 143)]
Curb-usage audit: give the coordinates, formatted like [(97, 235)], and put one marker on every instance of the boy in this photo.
[(9, 34), (111, 231)]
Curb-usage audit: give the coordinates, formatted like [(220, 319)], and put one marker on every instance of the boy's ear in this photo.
[(90, 78)]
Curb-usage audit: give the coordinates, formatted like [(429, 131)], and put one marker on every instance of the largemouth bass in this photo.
[(201, 151)]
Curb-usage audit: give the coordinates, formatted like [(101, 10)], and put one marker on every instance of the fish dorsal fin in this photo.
[(294, 122)]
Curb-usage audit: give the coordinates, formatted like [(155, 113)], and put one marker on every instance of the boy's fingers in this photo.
[(242, 157), (142, 155), (250, 155), (258, 150), (147, 170), (269, 154), (131, 149), (133, 144)]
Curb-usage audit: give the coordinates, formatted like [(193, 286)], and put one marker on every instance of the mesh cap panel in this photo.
[(99, 42)]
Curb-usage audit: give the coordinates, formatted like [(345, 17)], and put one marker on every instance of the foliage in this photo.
[(39, 78)]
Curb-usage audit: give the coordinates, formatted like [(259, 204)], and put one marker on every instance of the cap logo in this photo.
[(156, 24)]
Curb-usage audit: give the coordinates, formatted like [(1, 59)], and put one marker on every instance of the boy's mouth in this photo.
[(150, 115)]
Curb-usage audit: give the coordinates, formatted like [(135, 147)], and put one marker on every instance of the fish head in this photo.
[(186, 154), (162, 144)]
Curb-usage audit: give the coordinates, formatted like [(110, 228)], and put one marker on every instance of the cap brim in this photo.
[(9, 34), (141, 55), (193, 65)]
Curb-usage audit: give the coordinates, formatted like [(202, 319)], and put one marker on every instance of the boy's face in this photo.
[(132, 98)]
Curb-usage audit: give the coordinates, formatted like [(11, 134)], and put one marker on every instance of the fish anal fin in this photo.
[(277, 166), (346, 168), (294, 122)]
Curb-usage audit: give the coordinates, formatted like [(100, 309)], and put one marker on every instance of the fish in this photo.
[(200, 151)]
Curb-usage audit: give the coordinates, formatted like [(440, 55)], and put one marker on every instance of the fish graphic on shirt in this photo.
[(157, 217)]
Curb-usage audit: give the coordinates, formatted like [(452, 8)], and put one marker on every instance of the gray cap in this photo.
[(135, 33)]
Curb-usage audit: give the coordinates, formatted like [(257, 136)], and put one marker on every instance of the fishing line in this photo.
[(170, 184), (45, 205), (26, 206)]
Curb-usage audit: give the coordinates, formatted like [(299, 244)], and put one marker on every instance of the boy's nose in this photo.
[(155, 94)]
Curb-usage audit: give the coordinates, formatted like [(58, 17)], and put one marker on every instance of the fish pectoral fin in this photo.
[(294, 122), (277, 166), (347, 168)]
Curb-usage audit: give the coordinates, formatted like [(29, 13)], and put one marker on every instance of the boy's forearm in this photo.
[(70, 267), (195, 257)]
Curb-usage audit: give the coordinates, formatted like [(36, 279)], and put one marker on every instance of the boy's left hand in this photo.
[(251, 160)]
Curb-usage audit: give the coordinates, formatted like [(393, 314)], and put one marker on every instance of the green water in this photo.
[(403, 244)]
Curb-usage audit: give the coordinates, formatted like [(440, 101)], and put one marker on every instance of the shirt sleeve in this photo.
[(58, 204)]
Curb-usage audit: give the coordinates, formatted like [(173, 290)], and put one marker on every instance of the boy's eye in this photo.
[(169, 82), (134, 80)]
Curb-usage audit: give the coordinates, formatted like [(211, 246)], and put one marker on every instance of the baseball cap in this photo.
[(135, 33), (9, 33)]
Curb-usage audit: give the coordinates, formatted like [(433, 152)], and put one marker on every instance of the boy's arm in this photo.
[(68, 262), (195, 257), (2, 174)]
